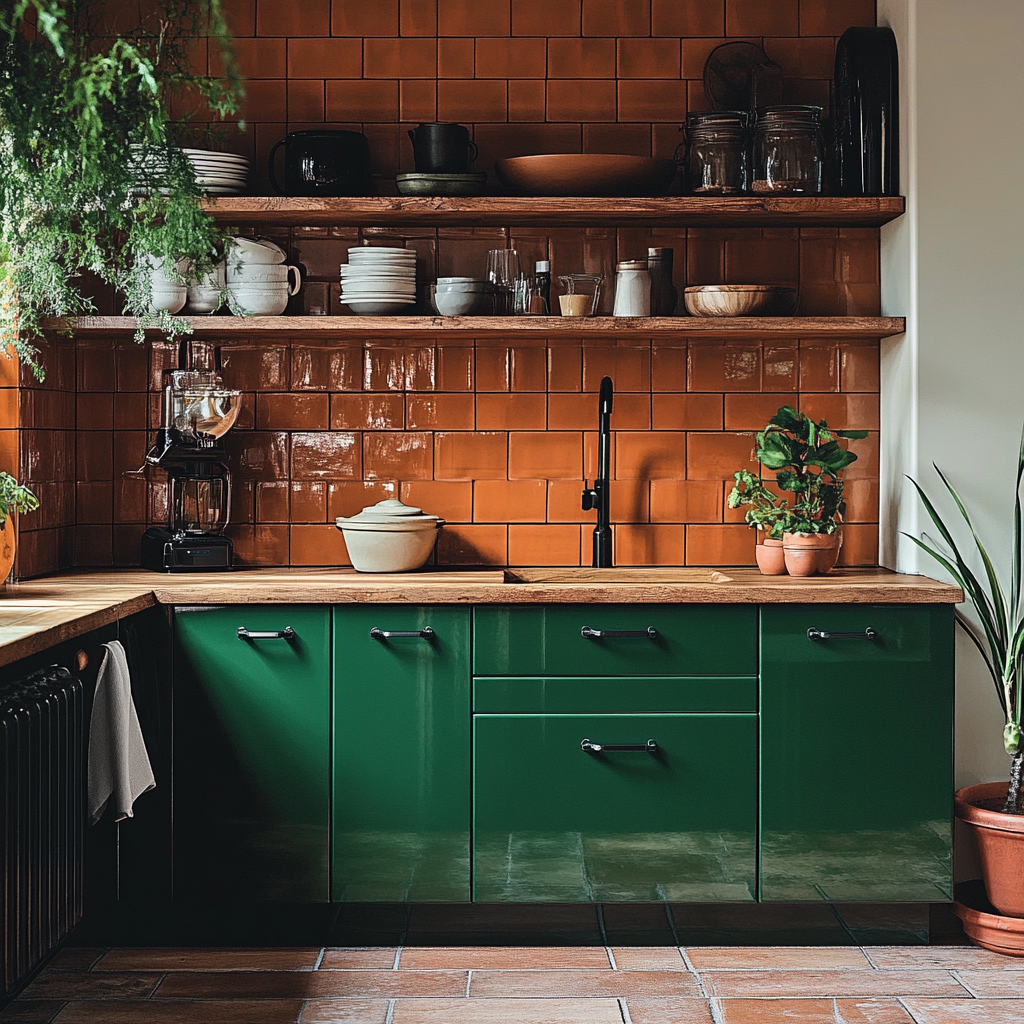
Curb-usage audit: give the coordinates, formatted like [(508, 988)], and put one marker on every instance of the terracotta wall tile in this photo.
[(258, 456), (571, 99), (859, 367), (417, 100), (456, 58), (866, 466), (292, 412), (581, 58), (509, 501), (318, 58), (513, 411), (511, 58), (629, 366), (719, 545), (397, 456), (616, 17), (762, 17), (326, 456), (308, 501), (686, 501), (370, 100), (476, 544), (649, 544), (472, 18), (805, 58), (93, 411), (451, 500), (843, 412), (399, 58), (570, 412), (347, 497), (527, 100), (688, 17), (543, 545), (257, 58), (641, 100), (668, 366), (686, 412), (240, 16), (538, 18), (465, 456), (648, 58), (310, 18), (358, 18), (861, 501), (718, 456), (317, 545), (630, 139), (265, 99), (752, 412), (860, 544), (828, 18), (649, 455), (564, 502), (417, 17), (547, 455), (272, 501), (367, 412), (732, 366), (780, 366), (94, 545), (440, 412), (819, 366), (480, 100)]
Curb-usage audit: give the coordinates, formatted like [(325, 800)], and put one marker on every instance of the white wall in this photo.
[(953, 386)]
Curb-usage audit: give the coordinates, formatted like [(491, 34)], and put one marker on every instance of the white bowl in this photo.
[(462, 289), (389, 547), (377, 306), (203, 300), (271, 300), (453, 303)]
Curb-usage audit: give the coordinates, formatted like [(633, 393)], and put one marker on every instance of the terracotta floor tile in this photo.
[(503, 958), (644, 1010), (959, 1011), (91, 985), (831, 984), (582, 983), (648, 958), (31, 1011), (314, 985), (382, 958), (345, 1011), (156, 958), (234, 1011), (778, 958), (507, 1011), (812, 1011), (946, 958), (76, 958), (1001, 984)]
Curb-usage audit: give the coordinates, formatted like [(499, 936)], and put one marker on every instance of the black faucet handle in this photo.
[(590, 497)]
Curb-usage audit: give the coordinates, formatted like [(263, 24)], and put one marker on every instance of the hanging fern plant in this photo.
[(92, 176)]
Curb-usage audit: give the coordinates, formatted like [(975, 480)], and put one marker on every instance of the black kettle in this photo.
[(323, 162)]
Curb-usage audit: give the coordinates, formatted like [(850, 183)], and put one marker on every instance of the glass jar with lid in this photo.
[(716, 152), (788, 151)]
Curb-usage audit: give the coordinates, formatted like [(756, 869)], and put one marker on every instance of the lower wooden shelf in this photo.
[(482, 326)]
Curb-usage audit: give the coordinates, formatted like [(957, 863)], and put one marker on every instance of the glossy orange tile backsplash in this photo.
[(493, 434)]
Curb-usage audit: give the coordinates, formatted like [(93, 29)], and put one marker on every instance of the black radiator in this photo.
[(42, 754)]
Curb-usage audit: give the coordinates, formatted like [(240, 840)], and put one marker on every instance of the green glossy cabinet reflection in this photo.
[(401, 753), (252, 753), (856, 752)]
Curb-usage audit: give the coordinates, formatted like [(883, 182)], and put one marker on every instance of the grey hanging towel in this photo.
[(119, 768)]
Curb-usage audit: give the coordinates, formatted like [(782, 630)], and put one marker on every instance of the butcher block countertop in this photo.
[(41, 613)]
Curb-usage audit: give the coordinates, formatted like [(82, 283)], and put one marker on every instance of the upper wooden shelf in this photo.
[(511, 211), (536, 326)]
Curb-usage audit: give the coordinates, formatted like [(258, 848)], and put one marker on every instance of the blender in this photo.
[(197, 412)]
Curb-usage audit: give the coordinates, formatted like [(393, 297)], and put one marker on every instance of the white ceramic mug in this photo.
[(260, 275)]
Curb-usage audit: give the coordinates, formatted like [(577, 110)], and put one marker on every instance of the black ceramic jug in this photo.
[(323, 162), (442, 148)]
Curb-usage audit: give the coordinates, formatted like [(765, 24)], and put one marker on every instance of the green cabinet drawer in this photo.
[(401, 754), (541, 640), (611, 694), (552, 822), (251, 754), (857, 753)]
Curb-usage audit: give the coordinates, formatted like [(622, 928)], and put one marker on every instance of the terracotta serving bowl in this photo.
[(586, 174), (739, 300)]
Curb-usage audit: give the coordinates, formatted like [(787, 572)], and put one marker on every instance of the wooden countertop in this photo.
[(38, 614)]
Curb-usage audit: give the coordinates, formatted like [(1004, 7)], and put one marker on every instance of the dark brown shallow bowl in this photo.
[(586, 174)]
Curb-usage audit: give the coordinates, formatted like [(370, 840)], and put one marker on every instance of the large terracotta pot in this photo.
[(771, 559), (808, 554), (7, 541), (983, 926), (1000, 840)]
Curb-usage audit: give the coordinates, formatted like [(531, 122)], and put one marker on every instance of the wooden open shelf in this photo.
[(536, 326), (512, 211)]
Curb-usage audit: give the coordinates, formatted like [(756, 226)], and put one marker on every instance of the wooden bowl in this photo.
[(739, 300), (586, 174)]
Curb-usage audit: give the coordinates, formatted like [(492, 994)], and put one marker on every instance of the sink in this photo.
[(625, 574)]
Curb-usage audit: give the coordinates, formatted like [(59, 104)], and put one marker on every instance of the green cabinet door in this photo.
[(552, 822), (856, 753), (251, 754), (539, 640), (401, 753)]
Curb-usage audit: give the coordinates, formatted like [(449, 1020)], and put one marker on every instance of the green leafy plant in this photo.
[(14, 498), (92, 176), (765, 510), (1000, 634), (807, 460)]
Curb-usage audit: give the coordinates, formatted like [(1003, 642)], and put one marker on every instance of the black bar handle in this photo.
[(650, 747), (599, 634), (426, 633), (278, 634), (822, 634)]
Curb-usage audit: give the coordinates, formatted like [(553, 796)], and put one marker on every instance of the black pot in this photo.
[(323, 162)]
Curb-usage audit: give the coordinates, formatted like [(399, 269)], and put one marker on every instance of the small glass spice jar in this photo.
[(716, 152), (788, 151), (632, 289)]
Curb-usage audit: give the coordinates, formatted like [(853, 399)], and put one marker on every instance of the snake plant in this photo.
[(999, 634)]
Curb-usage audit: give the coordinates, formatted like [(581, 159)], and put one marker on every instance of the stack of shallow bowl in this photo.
[(219, 174), (378, 279)]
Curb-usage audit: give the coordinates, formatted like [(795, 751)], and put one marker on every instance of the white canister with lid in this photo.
[(389, 536), (632, 289)]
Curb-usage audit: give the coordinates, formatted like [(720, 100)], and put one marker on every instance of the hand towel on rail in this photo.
[(119, 768)]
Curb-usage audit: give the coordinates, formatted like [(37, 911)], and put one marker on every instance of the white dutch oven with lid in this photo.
[(389, 536)]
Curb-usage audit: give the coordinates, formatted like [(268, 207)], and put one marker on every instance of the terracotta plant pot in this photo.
[(808, 554), (771, 559), (7, 542), (983, 926), (1000, 840)]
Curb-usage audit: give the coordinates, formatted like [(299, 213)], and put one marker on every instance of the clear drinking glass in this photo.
[(502, 271)]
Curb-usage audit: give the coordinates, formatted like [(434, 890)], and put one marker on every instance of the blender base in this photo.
[(161, 552)]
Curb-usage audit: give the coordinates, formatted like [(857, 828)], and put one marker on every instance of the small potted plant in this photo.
[(768, 513), (807, 460), (994, 810), (13, 498)]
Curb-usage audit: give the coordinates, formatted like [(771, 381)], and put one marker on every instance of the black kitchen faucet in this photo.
[(597, 496)]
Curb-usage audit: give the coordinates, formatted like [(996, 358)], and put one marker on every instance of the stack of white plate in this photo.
[(219, 174), (378, 279)]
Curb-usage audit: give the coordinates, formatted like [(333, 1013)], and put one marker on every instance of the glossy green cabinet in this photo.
[(538, 640), (554, 822), (251, 798), (856, 752), (401, 753)]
